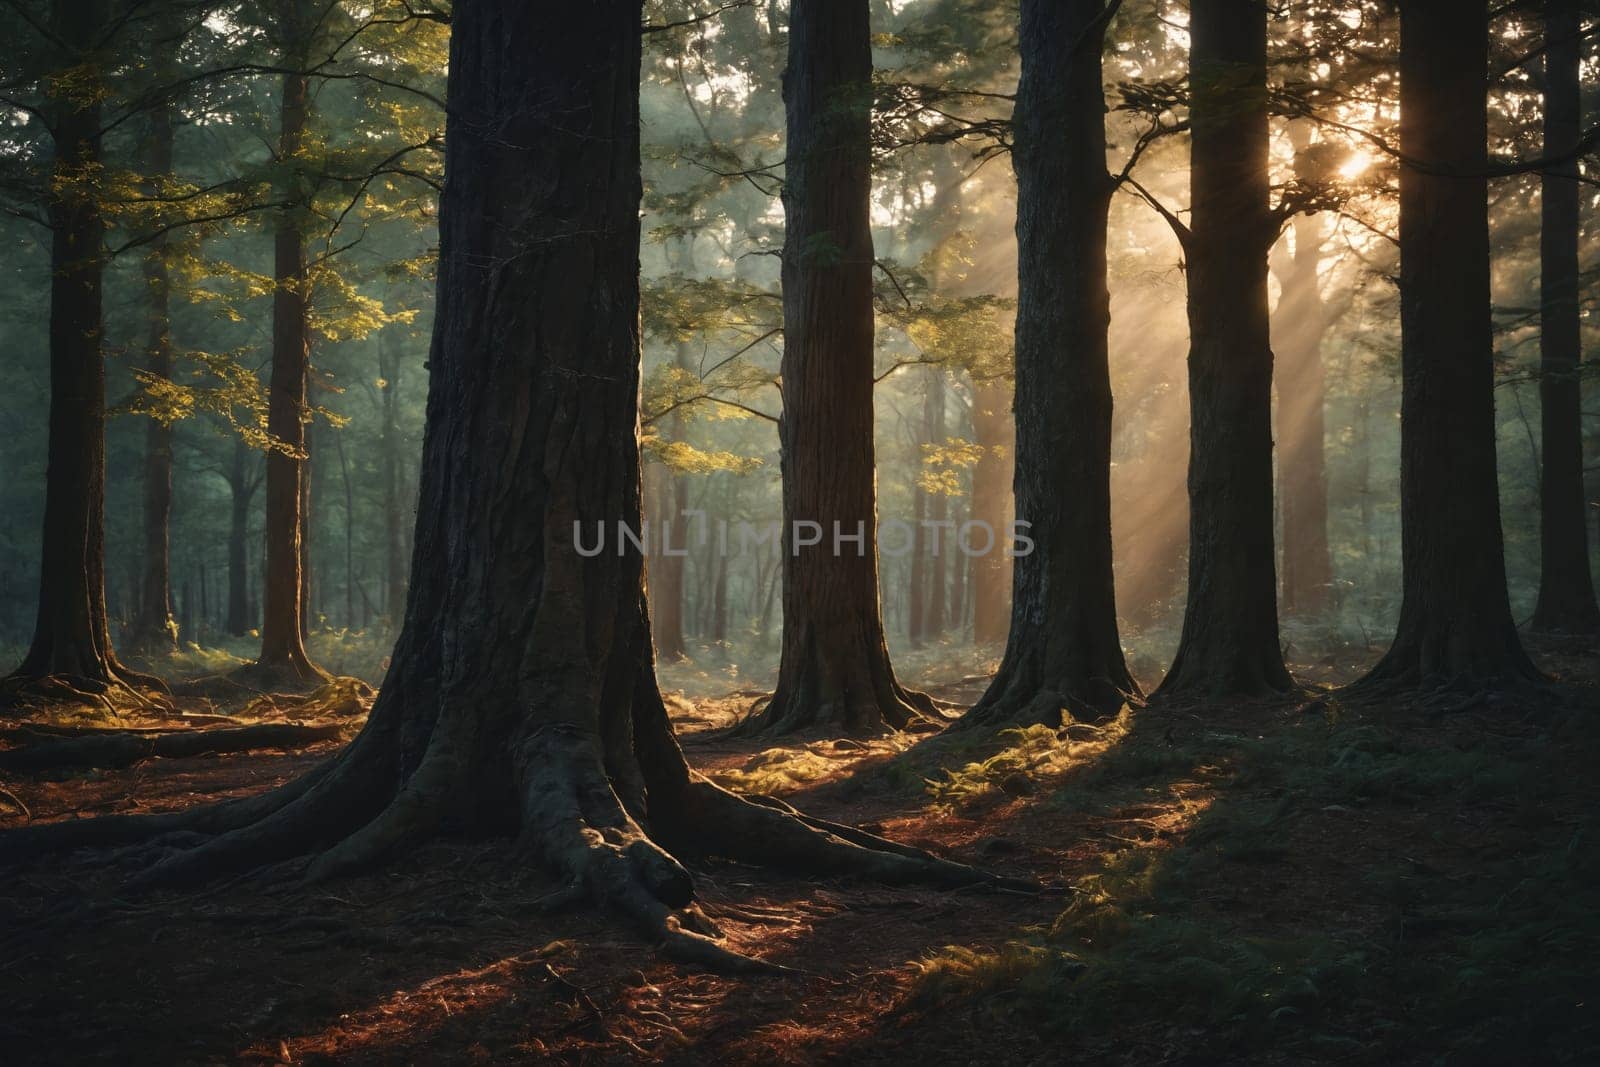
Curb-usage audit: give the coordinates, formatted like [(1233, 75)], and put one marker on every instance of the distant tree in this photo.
[(154, 629), (1455, 627), (283, 657), (1301, 322), (1566, 587)]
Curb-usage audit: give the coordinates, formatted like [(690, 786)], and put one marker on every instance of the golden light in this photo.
[(1355, 164)]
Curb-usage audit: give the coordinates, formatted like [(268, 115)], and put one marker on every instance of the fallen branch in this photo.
[(125, 748)]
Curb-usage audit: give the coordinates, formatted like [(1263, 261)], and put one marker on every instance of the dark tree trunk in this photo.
[(835, 671), (991, 476), (522, 695), (241, 487), (349, 535), (1229, 646), (1455, 623), (1063, 652), (283, 658), (154, 629), (1301, 322), (1566, 587), (307, 474), (393, 508), (71, 649)]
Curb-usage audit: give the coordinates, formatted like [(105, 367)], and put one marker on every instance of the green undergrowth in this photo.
[(1374, 887), (1032, 758)]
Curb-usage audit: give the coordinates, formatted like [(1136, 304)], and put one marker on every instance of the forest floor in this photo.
[(1312, 880)]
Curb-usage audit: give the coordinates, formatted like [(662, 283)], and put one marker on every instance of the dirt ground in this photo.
[(444, 956)]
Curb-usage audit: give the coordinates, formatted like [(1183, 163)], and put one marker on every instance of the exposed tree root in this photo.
[(127, 690), (298, 677), (572, 818), (111, 749), (1450, 695), (859, 711), (1023, 701), (104, 831)]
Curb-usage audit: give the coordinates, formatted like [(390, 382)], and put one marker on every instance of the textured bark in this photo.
[(72, 639), (990, 572), (1229, 645), (154, 629), (308, 473), (1455, 626), (283, 657), (1566, 586), (1063, 652), (394, 545), (1301, 323), (522, 695), (241, 488), (835, 671)]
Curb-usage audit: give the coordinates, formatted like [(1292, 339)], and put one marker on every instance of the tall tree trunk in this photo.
[(933, 621), (917, 583), (1229, 646), (349, 535), (991, 478), (1300, 323), (1455, 625), (283, 656), (307, 473), (241, 487), (1566, 586), (71, 644), (394, 546), (522, 695), (1063, 652), (154, 629), (834, 672), (666, 566)]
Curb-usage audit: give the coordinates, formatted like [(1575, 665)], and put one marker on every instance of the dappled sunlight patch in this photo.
[(411, 1016), (786, 768), (339, 697), (1035, 757)]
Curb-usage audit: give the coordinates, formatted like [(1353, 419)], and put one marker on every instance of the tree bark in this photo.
[(1455, 627), (522, 695), (389, 369), (666, 567), (1063, 652), (1566, 586), (1301, 322), (283, 658), (1229, 645), (71, 643), (991, 476), (834, 671), (154, 630), (241, 488)]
